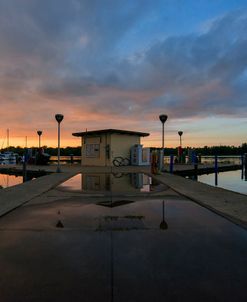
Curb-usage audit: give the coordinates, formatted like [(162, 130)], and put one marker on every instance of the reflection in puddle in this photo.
[(112, 204), (127, 183), (163, 224), (90, 214)]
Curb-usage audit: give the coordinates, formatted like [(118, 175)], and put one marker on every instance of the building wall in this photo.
[(101, 160), (110, 146), (121, 144)]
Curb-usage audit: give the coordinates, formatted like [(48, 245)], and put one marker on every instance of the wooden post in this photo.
[(216, 169)]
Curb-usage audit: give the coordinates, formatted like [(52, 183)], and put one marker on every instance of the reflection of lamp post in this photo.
[(163, 119), (163, 224), (180, 133), (39, 132), (59, 118)]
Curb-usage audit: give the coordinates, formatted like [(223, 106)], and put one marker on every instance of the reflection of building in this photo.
[(115, 183), (101, 147)]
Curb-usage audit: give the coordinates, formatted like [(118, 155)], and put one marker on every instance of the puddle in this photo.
[(90, 214), (112, 184)]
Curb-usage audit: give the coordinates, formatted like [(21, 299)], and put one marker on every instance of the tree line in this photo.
[(212, 150), (67, 151), (206, 150)]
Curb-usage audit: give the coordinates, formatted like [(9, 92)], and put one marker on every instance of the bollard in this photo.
[(195, 171), (171, 163), (216, 169), (245, 166)]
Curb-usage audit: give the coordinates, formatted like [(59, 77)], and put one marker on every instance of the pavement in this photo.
[(66, 245), (227, 203), (15, 196)]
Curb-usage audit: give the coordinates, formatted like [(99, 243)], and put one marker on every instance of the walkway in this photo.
[(160, 247)]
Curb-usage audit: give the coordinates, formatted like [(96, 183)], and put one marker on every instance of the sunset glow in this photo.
[(115, 64)]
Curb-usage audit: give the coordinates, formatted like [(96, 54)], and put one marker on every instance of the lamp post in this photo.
[(180, 133), (59, 118), (163, 119), (39, 132)]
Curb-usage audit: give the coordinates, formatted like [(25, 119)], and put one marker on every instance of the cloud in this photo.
[(64, 56)]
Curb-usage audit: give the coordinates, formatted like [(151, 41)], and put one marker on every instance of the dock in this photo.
[(185, 242), (200, 169)]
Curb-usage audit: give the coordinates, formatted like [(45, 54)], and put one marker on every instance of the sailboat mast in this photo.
[(7, 139)]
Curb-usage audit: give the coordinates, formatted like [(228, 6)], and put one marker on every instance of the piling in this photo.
[(245, 160), (244, 168), (216, 169), (24, 168), (171, 163)]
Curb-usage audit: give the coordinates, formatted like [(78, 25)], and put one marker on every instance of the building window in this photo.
[(92, 150)]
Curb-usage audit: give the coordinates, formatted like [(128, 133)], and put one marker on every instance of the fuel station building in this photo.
[(109, 146)]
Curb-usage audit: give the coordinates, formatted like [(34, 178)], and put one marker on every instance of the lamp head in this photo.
[(39, 132), (59, 118), (180, 133), (163, 118)]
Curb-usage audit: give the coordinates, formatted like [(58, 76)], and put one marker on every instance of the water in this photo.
[(66, 159), (231, 180), (226, 159), (9, 180)]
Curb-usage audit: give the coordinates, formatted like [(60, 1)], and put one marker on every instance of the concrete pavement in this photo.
[(120, 253), (158, 247), (230, 204), (13, 197), (227, 203)]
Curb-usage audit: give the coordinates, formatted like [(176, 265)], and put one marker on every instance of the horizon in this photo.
[(121, 65), (79, 146)]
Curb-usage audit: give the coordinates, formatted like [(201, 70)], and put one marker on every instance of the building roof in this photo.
[(98, 132)]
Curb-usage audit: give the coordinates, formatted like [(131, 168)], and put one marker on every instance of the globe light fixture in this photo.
[(39, 132), (180, 133), (163, 119)]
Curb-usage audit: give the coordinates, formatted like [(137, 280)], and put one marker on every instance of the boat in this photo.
[(8, 157), (41, 157)]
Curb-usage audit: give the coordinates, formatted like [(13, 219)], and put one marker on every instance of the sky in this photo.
[(120, 64)]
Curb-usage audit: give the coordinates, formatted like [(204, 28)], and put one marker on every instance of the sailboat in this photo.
[(8, 157)]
